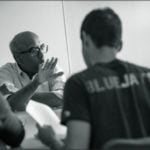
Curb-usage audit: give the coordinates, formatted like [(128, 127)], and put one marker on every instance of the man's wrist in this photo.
[(36, 81)]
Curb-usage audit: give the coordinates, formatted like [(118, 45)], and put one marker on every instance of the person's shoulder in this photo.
[(78, 76), (137, 67), (7, 73), (74, 81), (8, 69), (73, 77), (8, 65)]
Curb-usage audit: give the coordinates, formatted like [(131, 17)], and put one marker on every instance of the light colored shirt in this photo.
[(12, 79)]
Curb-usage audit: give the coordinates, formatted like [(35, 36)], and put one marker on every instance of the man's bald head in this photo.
[(22, 41)]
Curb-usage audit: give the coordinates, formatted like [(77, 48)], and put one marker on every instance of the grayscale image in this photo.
[(74, 75)]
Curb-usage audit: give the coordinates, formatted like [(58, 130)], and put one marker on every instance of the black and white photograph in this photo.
[(74, 75)]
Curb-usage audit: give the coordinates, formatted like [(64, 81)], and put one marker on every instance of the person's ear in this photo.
[(86, 39), (17, 58), (119, 47)]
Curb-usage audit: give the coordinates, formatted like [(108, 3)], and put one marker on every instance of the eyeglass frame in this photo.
[(37, 51)]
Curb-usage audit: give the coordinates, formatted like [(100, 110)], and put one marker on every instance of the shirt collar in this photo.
[(22, 72), (19, 69)]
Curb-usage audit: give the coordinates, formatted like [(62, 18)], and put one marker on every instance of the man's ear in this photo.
[(85, 38), (119, 47), (17, 58)]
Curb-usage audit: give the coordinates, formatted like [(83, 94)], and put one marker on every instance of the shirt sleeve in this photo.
[(76, 102), (57, 85), (6, 82)]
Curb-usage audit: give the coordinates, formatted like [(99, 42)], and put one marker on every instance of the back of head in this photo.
[(22, 41), (103, 26)]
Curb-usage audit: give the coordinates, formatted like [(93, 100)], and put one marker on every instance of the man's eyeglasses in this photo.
[(34, 51)]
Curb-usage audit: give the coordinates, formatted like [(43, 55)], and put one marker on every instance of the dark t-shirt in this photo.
[(114, 98)]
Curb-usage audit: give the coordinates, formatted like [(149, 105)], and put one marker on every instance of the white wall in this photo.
[(135, 16), (42, 17)]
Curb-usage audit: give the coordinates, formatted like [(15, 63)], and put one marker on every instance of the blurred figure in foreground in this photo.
[(11, 128)]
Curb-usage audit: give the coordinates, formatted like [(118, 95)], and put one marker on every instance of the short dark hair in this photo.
[(103, 26)]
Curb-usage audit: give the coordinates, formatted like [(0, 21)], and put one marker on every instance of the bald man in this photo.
[(31, 76)]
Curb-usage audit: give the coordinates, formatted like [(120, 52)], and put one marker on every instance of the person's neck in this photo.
[(104, 55), (29, 73)]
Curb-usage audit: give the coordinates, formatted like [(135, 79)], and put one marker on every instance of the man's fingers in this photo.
[(54, 63), (57, 74), (50, 64), (46, 64), (52, 59)]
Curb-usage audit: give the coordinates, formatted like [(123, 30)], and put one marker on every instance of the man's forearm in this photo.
[(49, 98), (19, 100)]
